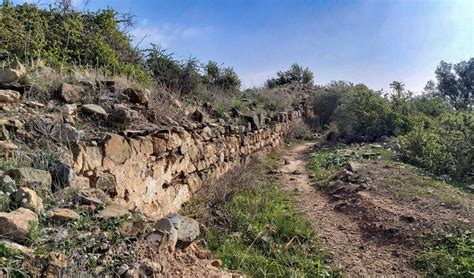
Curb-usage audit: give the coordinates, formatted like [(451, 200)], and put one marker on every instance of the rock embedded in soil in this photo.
[(65, 133), (167, 234), (113, 211), (14, 72), (137, 96), (31, 177), (15, 246), (353, 166), (27, 198), (7, 184), (93, 109), (16, 224), (9, 96), (71, 93), (63, 214), (188, 230)]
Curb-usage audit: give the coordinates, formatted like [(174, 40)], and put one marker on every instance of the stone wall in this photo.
[(156, 171)]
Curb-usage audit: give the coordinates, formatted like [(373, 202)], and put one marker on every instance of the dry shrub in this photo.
[(221, 191), (299, 131), (163, 107)]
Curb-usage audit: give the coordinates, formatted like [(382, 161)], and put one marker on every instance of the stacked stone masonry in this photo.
[(155, 171)]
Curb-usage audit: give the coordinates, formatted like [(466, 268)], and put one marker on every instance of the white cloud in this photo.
[(167, 34)]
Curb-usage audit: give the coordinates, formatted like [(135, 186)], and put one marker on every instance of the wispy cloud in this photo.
[(166, 35)]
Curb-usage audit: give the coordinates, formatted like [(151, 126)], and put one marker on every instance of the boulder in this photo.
[(254, 122), (188, 230), (122, 116), (137, 96), (93, 109), (13, 73), (7, 184), (31, 177), (16, 224), (71, 93), (63, 176), (63, 214), (28, 198), (9, 96)]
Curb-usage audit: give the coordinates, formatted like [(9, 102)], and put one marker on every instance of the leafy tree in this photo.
[(296, 74), (328, 98), (456, 83), (212, 72)]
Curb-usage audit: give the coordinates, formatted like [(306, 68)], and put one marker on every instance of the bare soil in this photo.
[(372, 226)]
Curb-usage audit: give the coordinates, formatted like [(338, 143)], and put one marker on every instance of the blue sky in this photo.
[(374, 42)]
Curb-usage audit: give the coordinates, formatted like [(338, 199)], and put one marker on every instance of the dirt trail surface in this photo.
[(356, 252)]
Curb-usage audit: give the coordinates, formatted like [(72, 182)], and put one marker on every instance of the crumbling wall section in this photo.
[(156, 171)]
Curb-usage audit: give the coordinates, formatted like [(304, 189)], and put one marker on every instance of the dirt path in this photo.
[(354, 252)]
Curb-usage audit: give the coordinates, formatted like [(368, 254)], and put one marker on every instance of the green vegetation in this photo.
[(267, 237), (296, 74), (65, 38), (448, 256), (254, 229), (435, 130)]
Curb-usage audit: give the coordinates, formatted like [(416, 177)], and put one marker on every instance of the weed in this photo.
[(447, 255), (267, 237)]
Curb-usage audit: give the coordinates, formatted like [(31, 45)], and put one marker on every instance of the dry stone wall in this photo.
[(156, 171)]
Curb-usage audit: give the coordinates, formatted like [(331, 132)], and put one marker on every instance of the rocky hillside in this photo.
[(92, 173)]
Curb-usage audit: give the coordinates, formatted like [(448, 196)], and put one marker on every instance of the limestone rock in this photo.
[(166, 235), (353, 166), (15, 246), (113, 211), (9, 96), (15, 224), (188, 230), (31, 177), (137, 96), (122, 116), (63, 214), (7, 184), (62, 175), (71, 93), (28, 198), (149, 269), (13, 73), (93, 109), (84, 198)]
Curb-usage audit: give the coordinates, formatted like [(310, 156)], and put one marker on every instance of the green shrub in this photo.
[(365, 115), (68, 38), (326, 100), (443, 145), (296, 74)]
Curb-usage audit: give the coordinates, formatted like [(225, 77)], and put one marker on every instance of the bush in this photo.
[(296, 74), (327, 99), (443, 145), (365, 115), (66, 38), (448, 256)]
